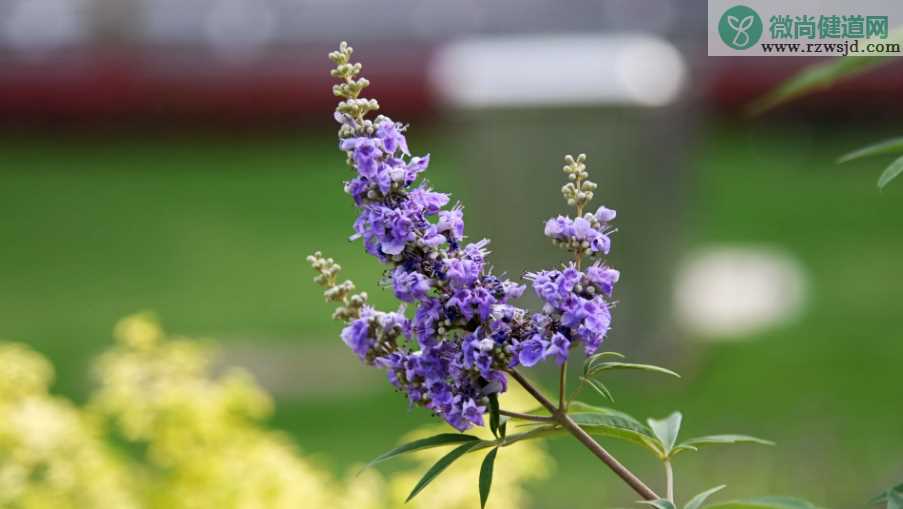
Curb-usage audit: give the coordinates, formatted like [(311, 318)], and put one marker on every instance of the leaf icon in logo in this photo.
[(741, 27), (746, 24)]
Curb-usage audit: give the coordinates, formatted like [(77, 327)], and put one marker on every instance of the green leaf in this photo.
[(598, 387), (694, 444), (822, 76), (891, 146), (890, 172), (578, 406), (590, 361), (614, 424), (681, 448), (538, 431), (883, 496), (584, 413), (494, 414), (658, 504), (667, 430), (503, 426), (697, 501), (424, 443), (438, 468), (486, 476), (599, 421), (815, 77), (765, 503), (894, 500), (538, 411), (604, 366)]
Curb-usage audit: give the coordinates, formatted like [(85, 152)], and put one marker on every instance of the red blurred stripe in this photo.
[(290, 85)]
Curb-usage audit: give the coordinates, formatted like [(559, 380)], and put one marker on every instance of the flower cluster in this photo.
[(452, 355), (575, 310), (588, 234)]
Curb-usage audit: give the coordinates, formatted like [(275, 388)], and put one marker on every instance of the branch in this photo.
[(562, 381), (583, 437)]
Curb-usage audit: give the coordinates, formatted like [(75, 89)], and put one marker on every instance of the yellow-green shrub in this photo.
[(163, 430)]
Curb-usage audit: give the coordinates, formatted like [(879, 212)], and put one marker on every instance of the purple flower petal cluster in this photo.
[(379, 162), (375, 332), (575, 310), (588, 233)]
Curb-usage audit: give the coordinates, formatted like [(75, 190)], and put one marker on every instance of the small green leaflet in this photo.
[(600, 421), (894, 500), (486, 476), (822, 76), (580, 406), (538, 431), (816, 77), (697, 501), (598, 387), (765, 503), (892, 146), (694, 444), (494, 414), (424, 443), (438, 468), (596, 365), (595, 359), (503, 426), (891, 172), (884, 495), (658, 504), (609, 365), (666, 430), (618, 425)]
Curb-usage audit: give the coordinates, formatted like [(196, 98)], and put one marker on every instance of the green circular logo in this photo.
[(740, 27)]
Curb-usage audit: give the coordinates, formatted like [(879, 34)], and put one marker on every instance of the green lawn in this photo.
[(211, 234)]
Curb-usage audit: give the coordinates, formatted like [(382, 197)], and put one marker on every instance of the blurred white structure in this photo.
[(39, 25), (255, 25), (728, 292), (559, 70), (240, 28)]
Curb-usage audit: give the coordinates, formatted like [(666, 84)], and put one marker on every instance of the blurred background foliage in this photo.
[(181, 158), (164, 430), (211, 234)]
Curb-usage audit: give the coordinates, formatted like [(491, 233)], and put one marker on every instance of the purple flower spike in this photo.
[(465, 332)]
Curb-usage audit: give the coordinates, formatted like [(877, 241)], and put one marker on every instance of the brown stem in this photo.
[(583, 437), (562, 379), (528, 417)]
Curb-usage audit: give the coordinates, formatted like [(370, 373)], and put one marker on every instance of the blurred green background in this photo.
[(210, 231)]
